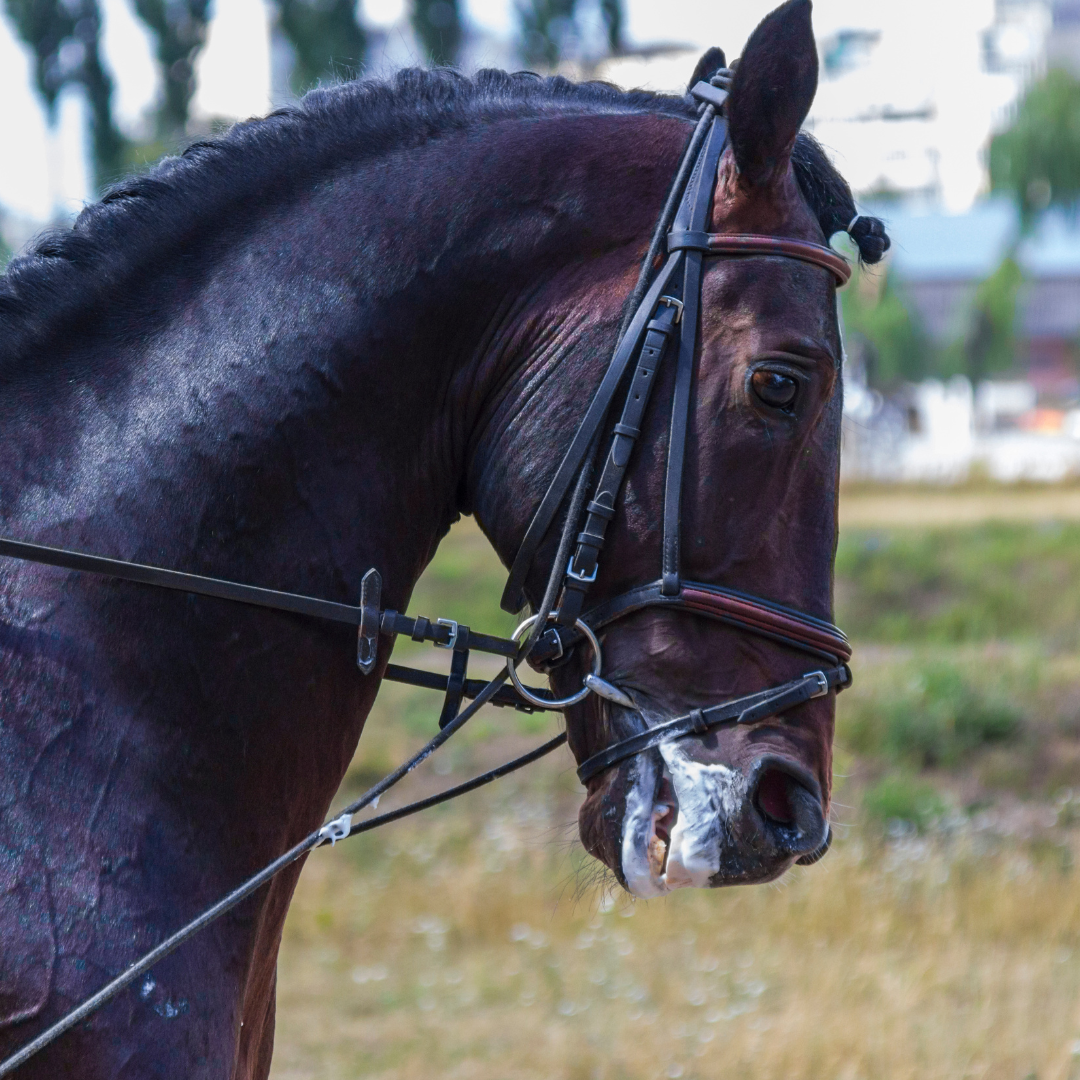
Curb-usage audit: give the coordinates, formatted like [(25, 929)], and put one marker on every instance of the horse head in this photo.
[(734, 803)]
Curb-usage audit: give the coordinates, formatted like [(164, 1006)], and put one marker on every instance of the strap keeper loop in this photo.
[(687, 240), (698, 724), (421, 629), (601, 510), (629, 432)]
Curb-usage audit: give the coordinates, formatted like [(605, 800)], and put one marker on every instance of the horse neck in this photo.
[(294, 400)]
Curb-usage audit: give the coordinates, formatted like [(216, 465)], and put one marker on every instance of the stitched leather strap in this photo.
[(570, 466), (751, 709), (693, 211), (693, 217), (601, 509), (755, 244), (764, 618)]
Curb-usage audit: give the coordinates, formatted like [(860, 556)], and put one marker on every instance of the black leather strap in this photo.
[(505, 696), (791, 628), (693, 213), (570, 466), (695, 219), (582, 569), (182, 582), (455, 682), (421, 629), (745, 710)]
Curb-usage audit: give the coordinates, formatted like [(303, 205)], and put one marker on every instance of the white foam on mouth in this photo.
[(707, 797), (639, 830)]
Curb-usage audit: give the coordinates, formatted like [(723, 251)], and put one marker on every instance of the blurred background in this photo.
[(941, 935), (955, 122)]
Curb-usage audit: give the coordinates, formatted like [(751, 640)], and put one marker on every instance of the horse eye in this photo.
[(774, 389)]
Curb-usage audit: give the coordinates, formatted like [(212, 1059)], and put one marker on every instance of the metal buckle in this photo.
[(823, 683), (452, 623), (584, 579), (670, 301)]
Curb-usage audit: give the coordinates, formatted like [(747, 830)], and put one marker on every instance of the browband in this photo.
[(755, 244)]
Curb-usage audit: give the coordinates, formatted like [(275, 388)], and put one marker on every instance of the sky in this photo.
[(928, 58)]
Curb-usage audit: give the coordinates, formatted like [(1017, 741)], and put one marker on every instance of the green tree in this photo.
[(179, 28), (65, 36), (990, 346), (1037, 160), (327, 37), (893, 341)]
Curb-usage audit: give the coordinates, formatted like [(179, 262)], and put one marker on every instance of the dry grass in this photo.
[(458, 946), (475, 942), (874, 506)]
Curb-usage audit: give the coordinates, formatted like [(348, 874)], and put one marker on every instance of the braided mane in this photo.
[(150, 217)]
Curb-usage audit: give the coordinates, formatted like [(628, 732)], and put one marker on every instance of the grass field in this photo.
[(940, 938)]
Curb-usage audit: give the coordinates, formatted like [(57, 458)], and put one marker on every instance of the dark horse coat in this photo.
[(303, 350)]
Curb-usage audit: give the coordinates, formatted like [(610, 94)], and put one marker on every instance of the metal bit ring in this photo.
[(555, 703)]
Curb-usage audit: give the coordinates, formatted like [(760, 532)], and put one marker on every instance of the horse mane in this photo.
[(146, 220)]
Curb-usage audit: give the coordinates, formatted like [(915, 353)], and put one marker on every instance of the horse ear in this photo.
[(772, 91), (707, 67)]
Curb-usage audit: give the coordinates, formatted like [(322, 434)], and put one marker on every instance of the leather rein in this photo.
[(665, 317)]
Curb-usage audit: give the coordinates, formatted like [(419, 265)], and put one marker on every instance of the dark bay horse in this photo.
[(302, 351)]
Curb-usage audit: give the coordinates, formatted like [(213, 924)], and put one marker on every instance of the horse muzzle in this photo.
[(670, 818)]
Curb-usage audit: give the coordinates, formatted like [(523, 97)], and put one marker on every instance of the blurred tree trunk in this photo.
[(179, 27), (326, 36), (612, 12), (549, 31), (65, 37), (437, 23)]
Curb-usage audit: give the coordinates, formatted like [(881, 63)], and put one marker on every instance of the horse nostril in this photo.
[(790, 808), (773, 796)]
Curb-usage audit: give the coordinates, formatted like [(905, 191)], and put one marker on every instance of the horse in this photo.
[(304, 349)]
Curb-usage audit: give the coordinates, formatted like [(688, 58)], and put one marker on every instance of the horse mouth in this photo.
[(689, 824)]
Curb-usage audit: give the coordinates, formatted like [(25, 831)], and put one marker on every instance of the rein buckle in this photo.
[(452, 640)]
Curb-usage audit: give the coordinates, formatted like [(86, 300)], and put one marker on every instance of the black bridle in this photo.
[(662, 311)]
